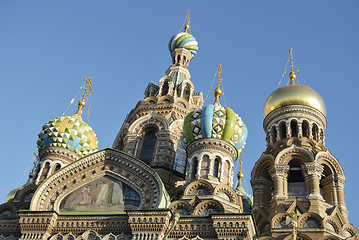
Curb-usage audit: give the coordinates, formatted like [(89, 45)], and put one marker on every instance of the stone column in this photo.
[(310, 130), (277, 174), (199, 166), (278, 133), (312, 173), (300, 130), (287, 127), (340, 189)]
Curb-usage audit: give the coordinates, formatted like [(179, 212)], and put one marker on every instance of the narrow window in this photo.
[(305, 129), (181, 157), (293, 128), (186, 92), (194, 167), (216, 167), (165, 88), (57, 167), (148, 146), (283, 131), (274, 134)]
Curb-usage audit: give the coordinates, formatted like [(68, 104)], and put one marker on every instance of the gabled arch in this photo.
[(287, 154), (327, 158), (149, 119), (199, 184), (302, 220), (109, 162), (264, 161)]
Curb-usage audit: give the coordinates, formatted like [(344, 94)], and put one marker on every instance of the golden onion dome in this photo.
[(294, 95)]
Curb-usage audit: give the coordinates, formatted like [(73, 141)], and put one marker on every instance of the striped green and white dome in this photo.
[(69, 132), (215, 121), (183, 40)]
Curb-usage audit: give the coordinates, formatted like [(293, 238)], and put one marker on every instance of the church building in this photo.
[(170, 171)]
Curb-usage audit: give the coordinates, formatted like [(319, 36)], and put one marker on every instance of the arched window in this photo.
[(282, 129), (194, 167), (315, 132), (45, 171), (148, 146), (57, 167), (165, 88), (274, 134), (216, 167), (293, 128), (178, 59), (305, 129), (296, 183), (326, 185), (186, 92)]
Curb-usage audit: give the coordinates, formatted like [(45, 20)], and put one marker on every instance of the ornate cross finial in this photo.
[(292, 75), (187, 26), (82, 102), (218, 91)]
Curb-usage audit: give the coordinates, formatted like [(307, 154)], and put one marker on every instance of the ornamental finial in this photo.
[(82, 102), (240, 174), (218, 91), (292, 75), (187, 26)]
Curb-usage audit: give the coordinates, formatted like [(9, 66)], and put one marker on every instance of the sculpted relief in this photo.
[(104, 194)]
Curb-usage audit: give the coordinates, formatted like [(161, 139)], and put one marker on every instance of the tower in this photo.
[(298, 185), (152, 130)]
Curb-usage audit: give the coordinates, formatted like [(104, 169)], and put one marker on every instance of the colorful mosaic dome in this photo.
[(69, 132), (183, 40), (215, 121)]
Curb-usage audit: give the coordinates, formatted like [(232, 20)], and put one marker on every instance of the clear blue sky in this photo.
[(47, 47)]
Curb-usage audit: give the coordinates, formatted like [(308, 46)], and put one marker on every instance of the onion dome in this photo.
[(294, 94), (70, 132), (183, 40), (215, 121)]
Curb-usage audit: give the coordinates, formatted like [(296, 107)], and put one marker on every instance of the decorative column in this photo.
[(300, 130), (287, 127), (277, 174), (312, 173), (340, 189)]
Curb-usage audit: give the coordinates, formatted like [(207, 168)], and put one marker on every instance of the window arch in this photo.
[(165, 88), (148, 145), (305, 129), (216, 167), (294, 128)]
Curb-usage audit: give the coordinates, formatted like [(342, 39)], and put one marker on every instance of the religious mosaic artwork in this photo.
[(104, 194)]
